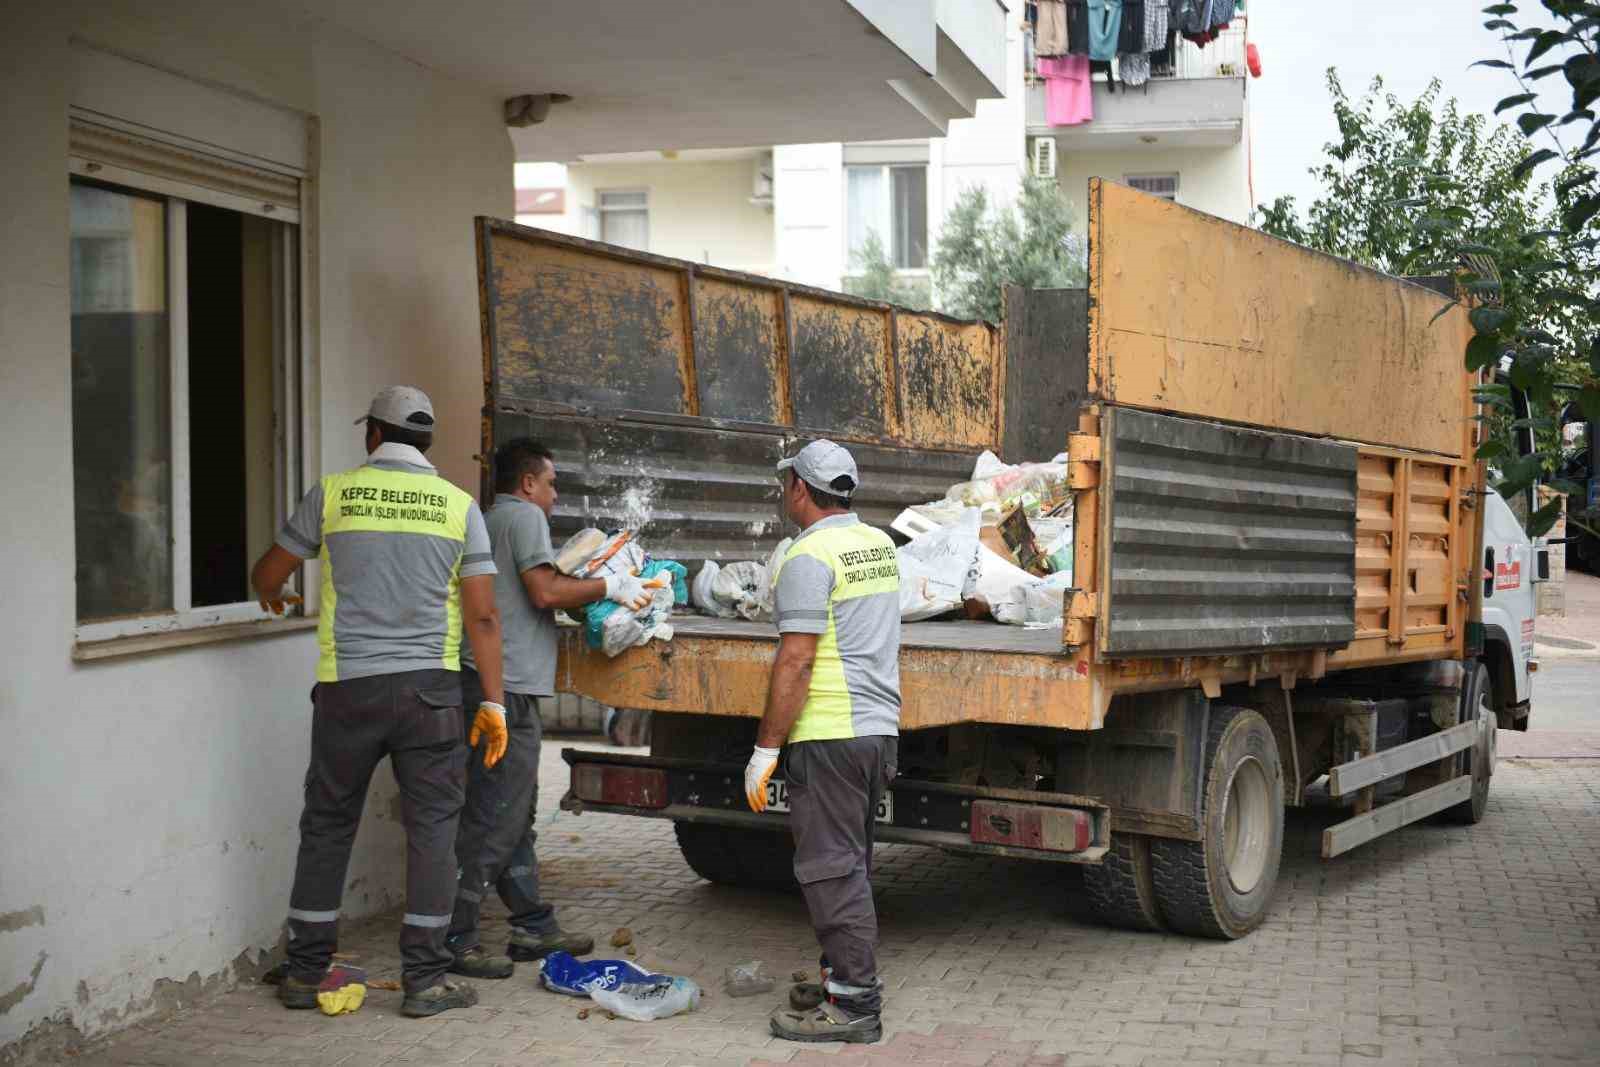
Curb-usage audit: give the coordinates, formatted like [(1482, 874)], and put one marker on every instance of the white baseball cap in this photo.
[(401, 405), (821, 463)]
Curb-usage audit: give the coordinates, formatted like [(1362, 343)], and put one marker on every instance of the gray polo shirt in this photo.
[(520, 536), (393, 538)]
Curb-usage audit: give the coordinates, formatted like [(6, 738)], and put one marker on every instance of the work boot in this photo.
[(434, 999), (295, 994), (528, 945), (827, 1022), (476, 963)]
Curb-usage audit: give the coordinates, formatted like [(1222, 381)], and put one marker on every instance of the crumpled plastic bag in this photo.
[(659, 998), (1036, 604), (561, 972), (747, 980), (342, 990), (939, 569), (613, 628), (733, 590)]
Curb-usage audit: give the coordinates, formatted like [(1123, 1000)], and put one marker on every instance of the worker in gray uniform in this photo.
[(833, 708), (496, 845), (406, 568)]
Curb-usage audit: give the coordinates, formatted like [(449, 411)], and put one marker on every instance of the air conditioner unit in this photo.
[(761, 183), (1042, 157)]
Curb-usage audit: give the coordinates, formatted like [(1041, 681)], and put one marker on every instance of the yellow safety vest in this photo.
[(421, 523)]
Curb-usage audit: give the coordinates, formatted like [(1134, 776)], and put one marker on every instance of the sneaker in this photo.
[(442, 997), (827, 1022), (297, 995), (476, 963), (527, 945)]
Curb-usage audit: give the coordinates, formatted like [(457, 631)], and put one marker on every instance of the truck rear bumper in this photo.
[(1055, 827)]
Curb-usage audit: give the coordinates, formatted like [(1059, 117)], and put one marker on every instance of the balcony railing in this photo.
[(1223, 57)]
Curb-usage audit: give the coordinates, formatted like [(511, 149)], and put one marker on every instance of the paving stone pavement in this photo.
[(1437, 944)]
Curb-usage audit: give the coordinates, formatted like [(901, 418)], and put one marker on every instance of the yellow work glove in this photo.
[(490, 723), (280, 603), (763, 761)]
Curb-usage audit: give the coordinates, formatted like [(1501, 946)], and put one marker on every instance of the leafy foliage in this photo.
[(1419, 188), (875, 278), (983, 247)]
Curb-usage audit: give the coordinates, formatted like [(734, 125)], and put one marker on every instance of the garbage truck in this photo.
[(1290, 583)]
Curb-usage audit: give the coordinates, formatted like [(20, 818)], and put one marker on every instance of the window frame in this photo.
[(600, 211), (289, 380), (887, 232)]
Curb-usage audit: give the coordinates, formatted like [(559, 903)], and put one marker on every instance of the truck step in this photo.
[(1347, 778)]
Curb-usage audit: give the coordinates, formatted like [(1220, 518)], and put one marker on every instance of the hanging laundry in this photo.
[(1130, 36), (1078, 27), (1068, 95), (1105, 26), (1134, 67), (1157, 17), (1051, 38)]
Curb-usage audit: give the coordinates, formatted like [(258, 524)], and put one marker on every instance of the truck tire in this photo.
[(1221, 885), (1120, 890), (1477, 702), (726, 855)]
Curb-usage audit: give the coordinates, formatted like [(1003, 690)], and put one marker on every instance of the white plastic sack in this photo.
[(999, 582), (700, 592), (938, 570), (644, 1002), (1035, 603), (623, 629), (919, 519), (743, 587), (989, 465)]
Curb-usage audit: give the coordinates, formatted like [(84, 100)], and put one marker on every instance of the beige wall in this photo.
[(1213, 180), (151, 802), (699, 211)]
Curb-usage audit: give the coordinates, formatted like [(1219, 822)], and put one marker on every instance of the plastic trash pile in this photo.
[(741, 590), (619, 986), (609, 626), (998, 546)]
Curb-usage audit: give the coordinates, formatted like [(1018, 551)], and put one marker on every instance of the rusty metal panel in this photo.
[(1194, 315), (840, 368), (740, 351), (1046, 370), (699, 492), (566, 326), (1224, 539), (949, 381)]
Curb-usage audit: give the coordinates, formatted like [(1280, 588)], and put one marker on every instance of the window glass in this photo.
[(866, 199), (910, 217), (121, 401), (625, 219)]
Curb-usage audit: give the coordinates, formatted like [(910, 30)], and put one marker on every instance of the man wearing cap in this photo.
[(833, 704), (495, 847), (406, 567)]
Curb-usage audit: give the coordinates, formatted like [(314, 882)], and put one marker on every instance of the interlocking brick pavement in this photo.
[(1438, 944)]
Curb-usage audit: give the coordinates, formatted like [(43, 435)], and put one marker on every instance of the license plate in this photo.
[(778, 800)]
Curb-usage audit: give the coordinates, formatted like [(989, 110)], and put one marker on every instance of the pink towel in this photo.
[(1068, 93)]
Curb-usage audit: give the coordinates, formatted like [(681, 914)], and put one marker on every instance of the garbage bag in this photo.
[(700, 592), (658, 998), (747, 980), (561, 972), (939, 569), (613, 628), (1036, 603), (743, 587)]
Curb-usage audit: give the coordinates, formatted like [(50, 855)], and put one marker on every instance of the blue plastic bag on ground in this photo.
[(561, 972)]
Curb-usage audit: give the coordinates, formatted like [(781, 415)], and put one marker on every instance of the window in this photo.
[(184, 361), (892, 202), (625, 219), (1163, 185)]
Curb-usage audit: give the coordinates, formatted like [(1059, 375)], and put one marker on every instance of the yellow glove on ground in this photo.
[(763, 761), (344, 1000), (490, 722)]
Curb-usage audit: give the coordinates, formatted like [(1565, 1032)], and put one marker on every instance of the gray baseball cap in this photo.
[(401, 405), (819, 463)]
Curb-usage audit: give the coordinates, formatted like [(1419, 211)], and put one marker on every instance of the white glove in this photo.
[(627, 590), (763, 761)]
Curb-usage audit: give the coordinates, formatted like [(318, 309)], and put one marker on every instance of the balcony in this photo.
[(1199, 102)]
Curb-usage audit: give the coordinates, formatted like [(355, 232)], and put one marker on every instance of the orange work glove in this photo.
[(490, 724), (763, 761), (280, 603)]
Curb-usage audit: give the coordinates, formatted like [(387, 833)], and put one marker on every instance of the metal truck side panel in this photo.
[(1224, 539), (1194, 315)]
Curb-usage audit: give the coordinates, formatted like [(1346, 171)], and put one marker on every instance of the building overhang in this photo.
[(1171, 113)]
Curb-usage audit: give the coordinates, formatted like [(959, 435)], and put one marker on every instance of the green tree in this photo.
[(1420, 188), (983, 247), (875, 277)]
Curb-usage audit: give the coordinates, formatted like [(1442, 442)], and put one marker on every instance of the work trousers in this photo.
[(495, 845), (834, 789), (414, 718)]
